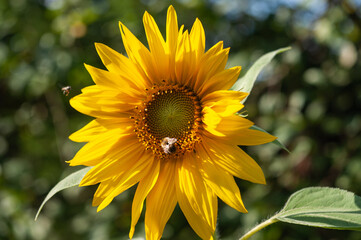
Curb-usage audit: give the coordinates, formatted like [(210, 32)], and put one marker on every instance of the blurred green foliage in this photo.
[(310, 97)]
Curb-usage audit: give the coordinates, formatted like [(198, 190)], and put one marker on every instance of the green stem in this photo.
[(258, 227)]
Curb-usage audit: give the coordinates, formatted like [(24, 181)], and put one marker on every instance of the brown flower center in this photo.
[(168, 121)]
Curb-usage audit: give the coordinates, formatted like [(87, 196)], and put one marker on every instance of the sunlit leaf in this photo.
[(277, 142), (245, 83), (70, 181), (323, 207), (318, 207)]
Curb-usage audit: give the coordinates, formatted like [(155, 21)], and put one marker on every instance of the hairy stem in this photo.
[(258, 227)]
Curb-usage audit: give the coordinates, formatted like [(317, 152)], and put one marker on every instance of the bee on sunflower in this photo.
[(165, 119)]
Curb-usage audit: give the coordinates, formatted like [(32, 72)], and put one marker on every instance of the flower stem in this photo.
[(258, 227)]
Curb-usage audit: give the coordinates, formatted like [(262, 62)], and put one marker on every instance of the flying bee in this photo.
[(66, 90), (168, 145)]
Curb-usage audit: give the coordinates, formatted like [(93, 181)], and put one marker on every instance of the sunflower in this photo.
[(166, 121)]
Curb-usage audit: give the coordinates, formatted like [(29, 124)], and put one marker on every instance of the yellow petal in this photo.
[(172, 30), (157, 47), (184, 60), (129, 75), (100, 102), (220, 181), (89, 132), (211, 120), (198, 39), (109, 185), (138, 53), (115, 81), (127, 179), (216, 96), (104, 189), (225, 126), (211, 63), (224, 103), (172, 39), (220, 81), (122, 157), (144, 187), (216, 63), (250, 137), (93, 152), (197, 200), (234, 160), (160, 202), (123, 123), (102, 77)]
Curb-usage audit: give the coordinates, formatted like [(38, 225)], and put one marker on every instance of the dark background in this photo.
[(310, 97)]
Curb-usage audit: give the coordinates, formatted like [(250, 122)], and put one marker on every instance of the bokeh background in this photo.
[(310, 97)]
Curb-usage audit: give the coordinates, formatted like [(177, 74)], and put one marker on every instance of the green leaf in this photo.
[(70, 181), (277, 142), (323, 207), (318, 207), (245, 84)]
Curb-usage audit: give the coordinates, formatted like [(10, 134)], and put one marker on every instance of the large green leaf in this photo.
[(70, 181), (318, 207), (323, 207), (245, 84), (276, 142)]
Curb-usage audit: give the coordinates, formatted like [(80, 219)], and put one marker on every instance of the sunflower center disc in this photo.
[(170, 115)]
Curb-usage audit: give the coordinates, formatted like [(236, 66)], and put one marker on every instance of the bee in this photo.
[(168, 145), (66, 90)]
